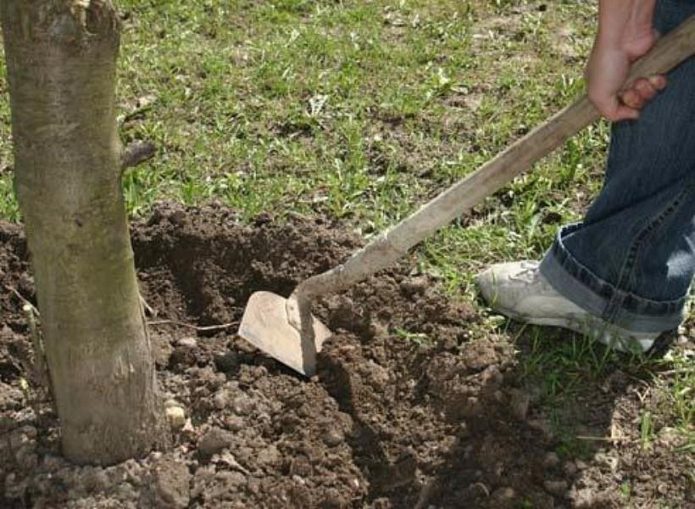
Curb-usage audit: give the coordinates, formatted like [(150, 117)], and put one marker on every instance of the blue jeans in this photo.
[(632, 259)]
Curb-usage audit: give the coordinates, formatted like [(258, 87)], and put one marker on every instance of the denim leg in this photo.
[(632, 259)]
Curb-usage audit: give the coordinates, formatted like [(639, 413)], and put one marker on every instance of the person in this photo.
[(622, 274)]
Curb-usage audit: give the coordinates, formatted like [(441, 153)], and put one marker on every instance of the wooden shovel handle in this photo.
[(389, 246)]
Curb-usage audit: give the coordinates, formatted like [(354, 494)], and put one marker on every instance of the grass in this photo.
[(361, 111), (565, 369)]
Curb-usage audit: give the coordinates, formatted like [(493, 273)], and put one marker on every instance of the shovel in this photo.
[(285, 328)]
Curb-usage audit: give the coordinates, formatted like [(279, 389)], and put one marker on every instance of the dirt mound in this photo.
[(409, 409)]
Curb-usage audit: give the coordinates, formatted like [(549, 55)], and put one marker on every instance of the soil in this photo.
[(412, 407)]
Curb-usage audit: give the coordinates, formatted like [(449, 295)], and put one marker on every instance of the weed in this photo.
[(419, 338)]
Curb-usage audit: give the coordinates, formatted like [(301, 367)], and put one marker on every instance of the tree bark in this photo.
[(61, 62)]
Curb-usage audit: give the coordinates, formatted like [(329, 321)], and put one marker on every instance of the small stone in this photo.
[(471, 407), (254, 485), (245, 455), (543, 426), (220, 399), (214, 441), (127, 492), (378, 330), (607, 460), (17, 439), (587, 498), (177, 217), (414, 286), (234, 423), (242, 405), (377, 375), (492, 377), (333, 499), (172, 480), (503, 498), (204, 475), (333, 437), (556, 488), (176, 415), (10, 397), (669, 437), (383, 503), (263, 218), (268, 456), (29, 431), (231, 480), (504, 494), (228, 362), (551, 460), (161, 349), (570, 468), (133, 472), (187, 342)]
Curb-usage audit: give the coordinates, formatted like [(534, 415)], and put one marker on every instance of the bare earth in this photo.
[(410, 409)]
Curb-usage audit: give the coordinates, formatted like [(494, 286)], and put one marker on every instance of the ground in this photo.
[(292, 131), (415, 404)]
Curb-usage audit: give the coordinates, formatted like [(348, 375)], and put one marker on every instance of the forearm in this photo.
[(623, 24)]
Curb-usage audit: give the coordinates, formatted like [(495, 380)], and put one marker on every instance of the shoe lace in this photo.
[(528, 273)]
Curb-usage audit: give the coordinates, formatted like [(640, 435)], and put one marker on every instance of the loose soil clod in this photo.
[(409, 409)]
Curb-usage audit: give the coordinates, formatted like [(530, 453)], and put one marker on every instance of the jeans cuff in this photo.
[(582, 286)]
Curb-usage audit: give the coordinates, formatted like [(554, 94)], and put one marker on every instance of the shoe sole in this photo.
[(583, 327)]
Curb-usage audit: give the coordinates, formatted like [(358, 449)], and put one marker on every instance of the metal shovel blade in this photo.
[(266, 325)]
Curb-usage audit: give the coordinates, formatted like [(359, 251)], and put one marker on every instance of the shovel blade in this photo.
[(265, 325)]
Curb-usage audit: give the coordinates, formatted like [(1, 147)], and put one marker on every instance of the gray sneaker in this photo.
[(519, 291)]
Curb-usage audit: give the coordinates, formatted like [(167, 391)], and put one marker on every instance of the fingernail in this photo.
[(657, 81)]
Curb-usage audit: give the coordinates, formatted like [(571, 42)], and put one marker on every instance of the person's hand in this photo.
[(608, 69)]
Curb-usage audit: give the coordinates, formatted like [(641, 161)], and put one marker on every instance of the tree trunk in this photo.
[(61, 61)]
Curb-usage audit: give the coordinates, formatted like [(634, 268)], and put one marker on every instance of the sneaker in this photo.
[(519, 290)]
